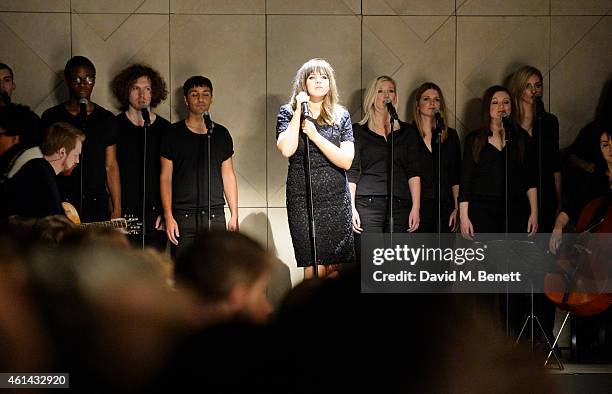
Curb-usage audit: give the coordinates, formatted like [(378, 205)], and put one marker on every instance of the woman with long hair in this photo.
[(526, 88), (328, 128), (493, 197), (369, 176), (428, 100)]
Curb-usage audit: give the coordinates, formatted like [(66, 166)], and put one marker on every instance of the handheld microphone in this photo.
[(505, 117), (391, 110), (439, 121), (5, 98), (208, 122), (305, 112), (83, 110), (145, 116)]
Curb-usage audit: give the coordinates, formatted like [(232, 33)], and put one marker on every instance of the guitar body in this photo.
[(71, 213)]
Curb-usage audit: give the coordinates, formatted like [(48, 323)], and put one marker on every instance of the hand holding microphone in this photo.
[(302, 102)]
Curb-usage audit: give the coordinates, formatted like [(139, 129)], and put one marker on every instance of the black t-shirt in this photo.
[(188, 152), (100, 131), (371, 164), (33, 191), (450, 163), (130, 151)]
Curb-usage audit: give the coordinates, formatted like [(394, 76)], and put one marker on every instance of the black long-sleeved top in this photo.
[(371, 165), (487, 177), (547, 161), (33, 191), (450, 163)]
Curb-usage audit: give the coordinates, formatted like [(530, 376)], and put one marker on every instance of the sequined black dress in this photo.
[(331, 196)]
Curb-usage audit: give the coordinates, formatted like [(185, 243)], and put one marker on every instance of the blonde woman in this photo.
[(369, 176), (543, 128), (428, 99), (328, 127)]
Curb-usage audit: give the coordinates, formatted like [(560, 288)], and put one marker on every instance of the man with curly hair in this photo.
[(139, 89)]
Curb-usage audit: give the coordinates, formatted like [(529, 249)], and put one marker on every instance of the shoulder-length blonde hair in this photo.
[(370, 97), (415, 109), (518, 83), (331, 100)]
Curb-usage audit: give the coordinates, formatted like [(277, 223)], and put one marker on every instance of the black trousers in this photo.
[(190, 223), (375, 215), (153, 238)]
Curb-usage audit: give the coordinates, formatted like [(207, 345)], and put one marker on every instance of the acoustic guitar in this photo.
[(128, 224)]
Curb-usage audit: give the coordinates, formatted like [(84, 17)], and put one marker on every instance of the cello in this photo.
[(580, 288)]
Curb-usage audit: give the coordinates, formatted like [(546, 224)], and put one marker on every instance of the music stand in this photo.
[(535, 263)]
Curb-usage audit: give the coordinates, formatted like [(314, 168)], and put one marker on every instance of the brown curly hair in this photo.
[(122, 83)]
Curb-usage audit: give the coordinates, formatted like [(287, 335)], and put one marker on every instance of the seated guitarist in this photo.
[(594, 185), (33, 191)]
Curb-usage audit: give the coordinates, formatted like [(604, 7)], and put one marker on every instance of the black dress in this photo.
[(331, 196), (450, 174)]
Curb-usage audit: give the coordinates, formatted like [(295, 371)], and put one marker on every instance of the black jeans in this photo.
[(375, 214), (190, 223)]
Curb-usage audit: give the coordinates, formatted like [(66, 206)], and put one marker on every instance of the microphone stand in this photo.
[(313, 232), (439, 128), (391, 180), (209, 131), (532, 317), (508, 141), (208, 139), (146, 126), (83, 101), (539, 107)]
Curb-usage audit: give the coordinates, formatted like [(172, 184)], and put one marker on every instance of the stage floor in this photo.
[(583, 378)]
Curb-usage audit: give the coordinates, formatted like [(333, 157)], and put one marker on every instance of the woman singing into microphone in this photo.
[(484, 185), (428, 99), (543, 128), (369, 178), (327, 125)]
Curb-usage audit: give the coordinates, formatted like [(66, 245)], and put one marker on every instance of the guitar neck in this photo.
[(118, 223)]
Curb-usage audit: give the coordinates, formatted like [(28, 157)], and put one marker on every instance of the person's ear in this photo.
[(62, 152)]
